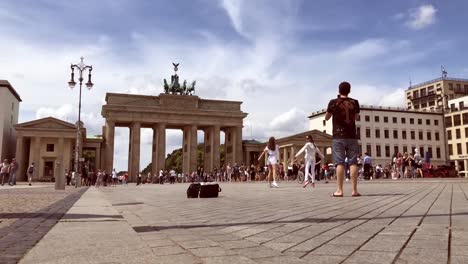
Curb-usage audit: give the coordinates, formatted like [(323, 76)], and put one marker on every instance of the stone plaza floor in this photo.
[(408, 221)]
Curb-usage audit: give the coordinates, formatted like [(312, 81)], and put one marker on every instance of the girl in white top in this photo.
[(310, 150), (273, 156)]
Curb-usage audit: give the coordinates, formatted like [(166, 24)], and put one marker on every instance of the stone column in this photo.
[(189, 149), (109, 146), (237, 144), (465, 162), (158, 160), (215, 147), (36, 150), (134, 151), (293, 153), (228, 146), (20, 159), (207, 150), (59, 167)]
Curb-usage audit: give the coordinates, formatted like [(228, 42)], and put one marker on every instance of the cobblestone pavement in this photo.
[(27, 214), (393, 222), (422, 221)]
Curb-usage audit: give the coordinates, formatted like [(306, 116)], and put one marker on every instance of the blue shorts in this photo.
[(345, 148)]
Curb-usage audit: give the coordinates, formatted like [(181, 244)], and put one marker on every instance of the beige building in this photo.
[(383, 131), (456, 122), (50, 143), (433, 94), (9, 108)]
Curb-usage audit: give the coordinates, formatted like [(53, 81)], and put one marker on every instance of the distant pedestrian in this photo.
[(4, 171), (272, 150), (344, 111), (31, 172), (310, 150), (114, 177), (68, 176), (367, 166), (13, 169)]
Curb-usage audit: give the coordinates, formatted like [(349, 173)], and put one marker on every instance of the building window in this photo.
[(421, 151), (405, 149), (423, 105), (450, 149), (394, 119), (385, 119), (395, 149), (466, 148), (377, 133), (428, 122), (378, 151), (386, 133), (456, 120), (358, 132), (377, 118), (395, 134), (436, 122), (403, 120), (50, 147), (358, 118), (465, 118), (368, 133), (411, 121), (387, 151), (457, 133), (368, 149), (448, 121), (449, 135), (419, 121), (459, 149), (403, 134), (429, 149), (324, 122), (466, 133), (413, 135), (432, 103), (437, 136), (429, 135), (367, 118), (438, 153), (420, 134), (450, 86)]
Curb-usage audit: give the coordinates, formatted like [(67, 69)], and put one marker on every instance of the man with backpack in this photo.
[(31, 171)]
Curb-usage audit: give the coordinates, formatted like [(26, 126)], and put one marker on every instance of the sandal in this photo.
[(336, 195), (356, 195)]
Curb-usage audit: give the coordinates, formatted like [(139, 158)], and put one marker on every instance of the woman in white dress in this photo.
[(272, 151), (310, 150)]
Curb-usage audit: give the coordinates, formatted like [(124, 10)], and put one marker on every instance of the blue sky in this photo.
[(283, 59)]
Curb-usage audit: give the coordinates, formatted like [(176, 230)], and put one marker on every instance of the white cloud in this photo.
[(294, 120), (421, 17)]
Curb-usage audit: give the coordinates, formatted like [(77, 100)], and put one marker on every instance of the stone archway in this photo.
[(188, 113)]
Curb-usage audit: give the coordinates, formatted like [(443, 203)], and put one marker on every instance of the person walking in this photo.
[(31, 171), (310, 150), (367, 166), (272, 150), (344, 111), (4, 171), (418, 162), (114, 177), (13, 169)]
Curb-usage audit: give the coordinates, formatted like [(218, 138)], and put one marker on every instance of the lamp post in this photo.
[(80, 67)]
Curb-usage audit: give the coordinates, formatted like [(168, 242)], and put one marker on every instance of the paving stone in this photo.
[(324, 259), (459, 250), (167, 250), (229, 260), (177, 259), (339, 250), (237, 244), (210, 252), (371, 257), (281, 260), (256, 252)]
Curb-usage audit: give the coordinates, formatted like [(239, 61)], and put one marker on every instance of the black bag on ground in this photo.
[(209, 190), (193, 190)]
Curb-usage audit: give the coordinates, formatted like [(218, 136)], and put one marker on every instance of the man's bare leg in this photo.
[(354, 175), (339, 179)]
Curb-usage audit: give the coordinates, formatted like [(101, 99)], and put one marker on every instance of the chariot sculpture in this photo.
[(175, 87)]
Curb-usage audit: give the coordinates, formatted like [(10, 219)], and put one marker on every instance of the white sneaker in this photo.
[(275, 185), (347, 179)]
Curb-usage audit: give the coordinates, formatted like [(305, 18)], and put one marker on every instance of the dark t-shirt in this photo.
[(344, 111)]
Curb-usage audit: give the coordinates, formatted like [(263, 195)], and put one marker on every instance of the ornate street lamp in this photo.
[(80, 67)]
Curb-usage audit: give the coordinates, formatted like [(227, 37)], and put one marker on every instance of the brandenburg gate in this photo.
[(177, 108)]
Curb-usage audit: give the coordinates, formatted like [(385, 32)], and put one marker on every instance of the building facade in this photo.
[(456, 122), (50, 143), (9, 108), (384, 131), (434, 94)]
